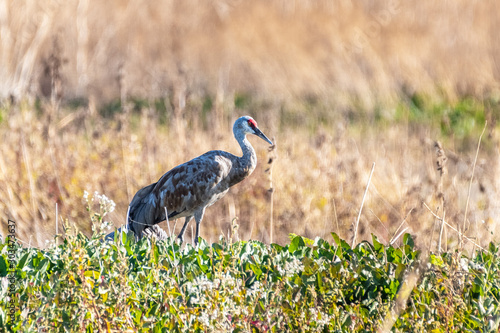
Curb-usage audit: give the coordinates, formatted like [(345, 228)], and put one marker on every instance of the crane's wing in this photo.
[(140, 213), (182, 190)]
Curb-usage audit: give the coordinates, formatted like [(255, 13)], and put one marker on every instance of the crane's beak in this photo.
[(261, 135)]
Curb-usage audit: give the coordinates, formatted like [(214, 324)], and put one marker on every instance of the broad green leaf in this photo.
[(23, 260), (336, 238), (296, 244), (3, 267), (42, 267), (277, 247), (257, 271), (408, 240), (377, 246), (492, 248)]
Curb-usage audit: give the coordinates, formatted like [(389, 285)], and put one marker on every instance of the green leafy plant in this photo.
[(89, 284)]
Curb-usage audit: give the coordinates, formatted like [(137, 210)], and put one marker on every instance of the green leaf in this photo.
[(137, 316), (436, 260), (336, 238), (277, 247), (308, 241), (408, 240), (400, 269), (377, 246), (42, 267), (309, 264), (393, 287), (296, 244), (3, 267), (153, 310), (202, 266), (155, 253), (257, 271), (319, 282), (93, 274), (492, 248), (340, 242), (23, 260)]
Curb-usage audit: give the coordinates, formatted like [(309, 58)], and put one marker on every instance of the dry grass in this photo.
[(197, 57), (355, 54), (318, 178)]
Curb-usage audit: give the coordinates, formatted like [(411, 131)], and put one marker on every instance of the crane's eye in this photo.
[(252, 123)]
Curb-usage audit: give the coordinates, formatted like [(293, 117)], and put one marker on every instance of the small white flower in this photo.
[(204, 319), (464, 264), (85, 195), (107, 204)]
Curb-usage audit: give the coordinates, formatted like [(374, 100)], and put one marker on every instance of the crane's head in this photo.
[(248, 125)]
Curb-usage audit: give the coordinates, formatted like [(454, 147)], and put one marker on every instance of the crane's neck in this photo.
[(249, 159)]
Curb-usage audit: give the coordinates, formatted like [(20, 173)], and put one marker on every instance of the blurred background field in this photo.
[(107, 96)]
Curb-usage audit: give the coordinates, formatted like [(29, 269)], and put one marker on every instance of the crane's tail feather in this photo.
[(142, 214)]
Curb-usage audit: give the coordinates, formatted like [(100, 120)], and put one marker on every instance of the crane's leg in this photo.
[(198, 216), (186, 222)]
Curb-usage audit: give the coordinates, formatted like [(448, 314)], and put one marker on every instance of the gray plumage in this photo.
[(187, 189), (152, 232)]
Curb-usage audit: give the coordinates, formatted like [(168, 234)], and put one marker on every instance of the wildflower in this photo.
[(204, 319), (106, 204)]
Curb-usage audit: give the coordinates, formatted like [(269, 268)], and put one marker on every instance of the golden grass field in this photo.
[(107, 96)]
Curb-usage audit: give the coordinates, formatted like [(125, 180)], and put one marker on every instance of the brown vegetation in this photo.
[(318, 177), (346, 51), (308, 72)]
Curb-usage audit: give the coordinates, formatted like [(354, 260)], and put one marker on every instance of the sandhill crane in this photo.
[(187, 189)]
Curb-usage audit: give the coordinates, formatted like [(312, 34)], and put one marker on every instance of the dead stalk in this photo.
[(470, 182), (441, 232), (272, 158), (33, 192), (401, 300), (460, 234), (57, 223), (441, 168), (399, 235), (393, 239), (336, 218), (192, 236), (361, 208), (168, 222)]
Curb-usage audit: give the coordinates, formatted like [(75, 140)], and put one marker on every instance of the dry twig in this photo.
[(272, 158), (441, 168), (470, 183), (361, 208)]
